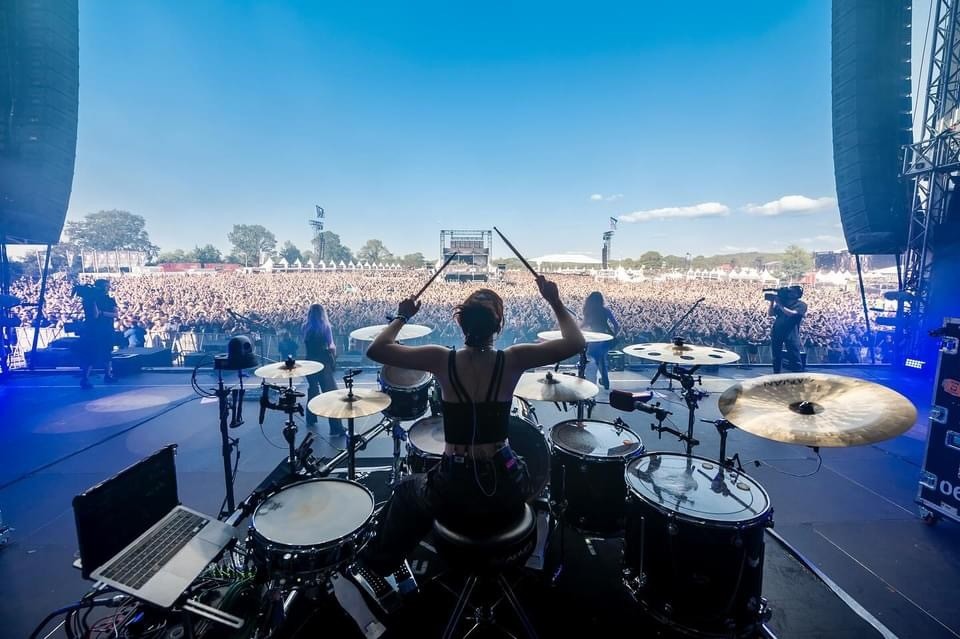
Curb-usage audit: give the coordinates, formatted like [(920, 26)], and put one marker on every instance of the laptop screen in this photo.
[(113, 513)]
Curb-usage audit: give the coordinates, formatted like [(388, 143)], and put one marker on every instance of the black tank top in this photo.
[(492, 417)]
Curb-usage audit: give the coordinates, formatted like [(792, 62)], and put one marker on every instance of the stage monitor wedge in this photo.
[(871, 121), (39, 87)]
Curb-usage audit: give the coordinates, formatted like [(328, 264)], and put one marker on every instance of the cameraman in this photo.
[(99, 310), (788, 311)]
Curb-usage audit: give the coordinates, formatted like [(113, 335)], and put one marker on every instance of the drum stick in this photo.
[(434, 276), (516, 252)]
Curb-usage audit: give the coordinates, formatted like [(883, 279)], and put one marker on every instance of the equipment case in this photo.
[(939, 492)]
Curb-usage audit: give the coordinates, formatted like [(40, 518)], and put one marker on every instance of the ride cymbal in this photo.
[(588, 336), (548, 387), (281, 370), (687, 354), (341, 404), (407, 331), (815, 409)]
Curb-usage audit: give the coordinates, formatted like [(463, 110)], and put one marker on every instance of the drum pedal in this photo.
[(383, 593), (406, 583)]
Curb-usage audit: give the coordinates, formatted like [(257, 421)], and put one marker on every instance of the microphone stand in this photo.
[(227, 443), (683, 318)]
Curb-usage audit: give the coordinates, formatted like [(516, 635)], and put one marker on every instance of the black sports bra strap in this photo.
[(494, 389), (454, 379)]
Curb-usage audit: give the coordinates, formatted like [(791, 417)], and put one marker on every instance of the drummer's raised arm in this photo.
[(386, 350), (571, 342)]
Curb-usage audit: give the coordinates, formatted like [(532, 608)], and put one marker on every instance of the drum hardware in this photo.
[(547, 387), (723, 426), (407, 331), (289, 369), (354, 444), (409, 391), (288, 404)]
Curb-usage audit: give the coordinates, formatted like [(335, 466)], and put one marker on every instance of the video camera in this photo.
[(783, 294)]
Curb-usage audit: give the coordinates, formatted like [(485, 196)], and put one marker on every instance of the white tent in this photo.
[(566, 258)]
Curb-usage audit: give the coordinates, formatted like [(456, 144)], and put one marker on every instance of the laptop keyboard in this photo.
[(135, 567)]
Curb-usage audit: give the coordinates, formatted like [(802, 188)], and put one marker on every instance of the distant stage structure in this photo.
[(473, 249)]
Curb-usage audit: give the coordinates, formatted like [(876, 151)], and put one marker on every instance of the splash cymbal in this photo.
[(341, 404), (588, 336), (281, 370), (686, 354), (549, 387), (407, 331), (814, 409)]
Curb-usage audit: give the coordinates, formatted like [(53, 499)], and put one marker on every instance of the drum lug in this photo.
[(672, 528)]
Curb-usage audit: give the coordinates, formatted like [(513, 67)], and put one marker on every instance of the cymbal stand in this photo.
[(691, 396), (722, 425), (399, 435), (351, 444), (288, 404)]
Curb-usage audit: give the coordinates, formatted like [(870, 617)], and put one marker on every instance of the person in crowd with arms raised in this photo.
[(479, 484), (318, 339), (598, 317)]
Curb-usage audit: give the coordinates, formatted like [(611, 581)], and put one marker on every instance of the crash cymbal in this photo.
[(588, 336), (281, 370), (687, 354), (407, 331), (338, 404), (549, 387), (814, 409)]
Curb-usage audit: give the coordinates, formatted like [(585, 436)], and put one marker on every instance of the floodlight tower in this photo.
[(317, 225)]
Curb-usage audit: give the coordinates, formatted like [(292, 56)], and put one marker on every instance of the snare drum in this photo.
[(589, 458), (693, 551), (409, 391), (425, 445), (306, 529)]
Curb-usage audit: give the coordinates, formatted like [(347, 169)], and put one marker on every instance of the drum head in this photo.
[(313, 512), (590, 438), (404, 377), (426, 435), (690, 487)]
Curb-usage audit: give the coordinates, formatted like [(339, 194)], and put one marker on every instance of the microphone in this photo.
[(264, 403), (237, 401), (629, 402), (701, 299), (353, 371)]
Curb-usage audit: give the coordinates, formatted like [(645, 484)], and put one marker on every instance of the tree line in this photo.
[(249, 243)]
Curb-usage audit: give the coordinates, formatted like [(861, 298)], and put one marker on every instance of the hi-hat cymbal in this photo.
[(341, 404), (588, 336), (814, 409), (407, 331), (280, 370), (548, 387), (688, 354)]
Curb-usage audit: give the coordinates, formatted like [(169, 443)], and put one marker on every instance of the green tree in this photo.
[(331, 248), (796, 261), (111, 230), (291, 253), (306, 256), (176, 255), (249, 241), (374, 251), (412, 260), (651, 259), (208, 254)]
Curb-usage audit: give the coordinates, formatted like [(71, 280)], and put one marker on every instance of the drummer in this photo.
[(480, 484)]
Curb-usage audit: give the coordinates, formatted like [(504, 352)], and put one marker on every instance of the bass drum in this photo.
[(425, 445), (305, 530), (693, 548), (589, 457)]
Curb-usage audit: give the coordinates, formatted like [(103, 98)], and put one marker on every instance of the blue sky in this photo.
[(691, 119)]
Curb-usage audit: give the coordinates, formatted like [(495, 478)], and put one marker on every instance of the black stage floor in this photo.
[(855, 519)]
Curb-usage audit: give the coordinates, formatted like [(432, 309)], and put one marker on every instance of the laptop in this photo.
[(135, 536)]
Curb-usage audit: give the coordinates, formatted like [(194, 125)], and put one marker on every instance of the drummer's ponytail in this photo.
[(480, 317)]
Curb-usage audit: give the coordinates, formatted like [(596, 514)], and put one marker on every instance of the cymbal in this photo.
[(689, 354), (549, 387), (407, 331), (588, 336), (815, 409), (337, 403), (280, 370)]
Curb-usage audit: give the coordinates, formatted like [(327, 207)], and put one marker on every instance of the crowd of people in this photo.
[(155, 308)]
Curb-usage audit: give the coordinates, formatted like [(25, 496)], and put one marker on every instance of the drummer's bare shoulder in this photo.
[(524, 356), (430, 357)]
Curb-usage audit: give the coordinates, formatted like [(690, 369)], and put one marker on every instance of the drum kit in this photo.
[(692, 527)]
